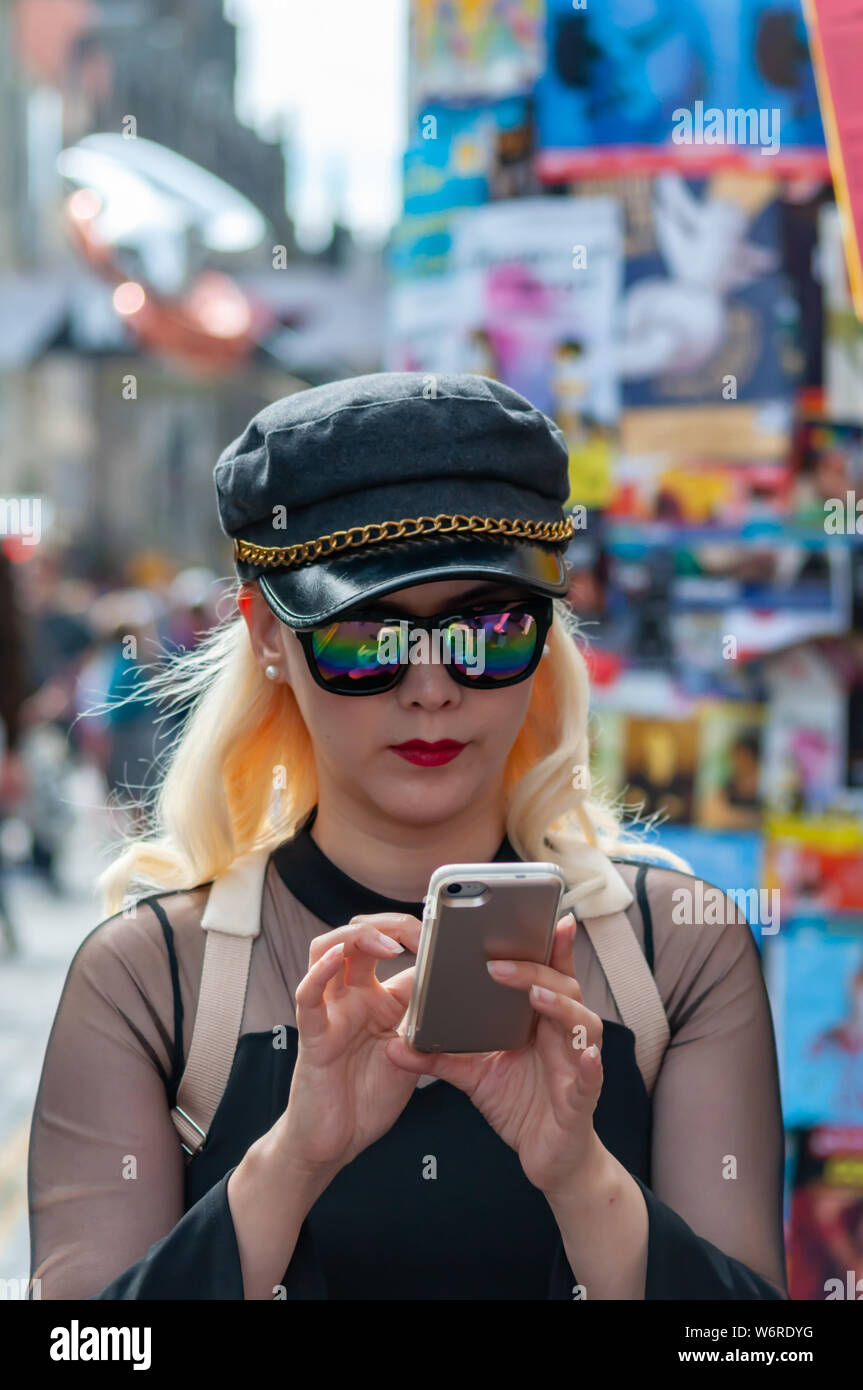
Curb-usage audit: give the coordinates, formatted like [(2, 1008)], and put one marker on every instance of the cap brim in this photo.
[(312, 594)]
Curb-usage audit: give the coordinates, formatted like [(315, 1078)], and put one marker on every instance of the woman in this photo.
[(326, 1159)]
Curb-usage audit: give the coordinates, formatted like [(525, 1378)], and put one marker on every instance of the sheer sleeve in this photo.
[(717, 1155), (717, 1158), (105, 1173)]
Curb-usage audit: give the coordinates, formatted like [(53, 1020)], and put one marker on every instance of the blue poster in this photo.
[(459, 157), (726, 859), (774, 70), (815, 981), (618, 75)]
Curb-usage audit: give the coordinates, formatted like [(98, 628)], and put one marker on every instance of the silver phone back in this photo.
[(456, 1006)]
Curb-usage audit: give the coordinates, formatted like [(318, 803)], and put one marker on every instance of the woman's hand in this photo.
[(346, 1091), (540, 1099)]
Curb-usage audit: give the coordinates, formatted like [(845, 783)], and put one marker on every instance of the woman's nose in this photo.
[(428, 683)]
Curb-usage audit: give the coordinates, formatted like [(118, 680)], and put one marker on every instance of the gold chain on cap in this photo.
[(284, 557)]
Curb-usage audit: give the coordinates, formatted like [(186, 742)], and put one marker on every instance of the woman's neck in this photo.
[(397, 860)]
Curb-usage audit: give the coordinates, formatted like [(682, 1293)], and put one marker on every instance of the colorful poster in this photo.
[(815, 982), (659, 767), (751, 433), (843, 336), (530, 299), (816, 863), (828, 463), (470, 48), (677, 83), (825, 1229), (766, 595), (803, 754), (699, 494), (704, 317), (458, 158), (546, 274), (729, 752)]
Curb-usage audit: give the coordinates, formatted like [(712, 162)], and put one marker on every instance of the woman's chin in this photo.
[(417, 799)]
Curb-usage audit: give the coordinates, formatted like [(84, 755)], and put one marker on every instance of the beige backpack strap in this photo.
[(232, 920), (631, 982)]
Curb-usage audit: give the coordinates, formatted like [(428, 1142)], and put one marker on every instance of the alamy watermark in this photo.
[(21, 516), (736, 126), (18, 1290), (77, 1343), (705, 906), (843, 516), (852, 1287), (459, 644)]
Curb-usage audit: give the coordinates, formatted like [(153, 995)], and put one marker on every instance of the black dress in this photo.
[(437, 1208)]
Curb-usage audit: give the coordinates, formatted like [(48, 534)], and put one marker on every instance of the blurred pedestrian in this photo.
[(132, 719)]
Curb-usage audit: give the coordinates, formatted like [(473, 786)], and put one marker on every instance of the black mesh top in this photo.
[(116, 1213)]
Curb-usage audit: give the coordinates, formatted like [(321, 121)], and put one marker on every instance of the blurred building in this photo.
[(173, 67), (123, 468)]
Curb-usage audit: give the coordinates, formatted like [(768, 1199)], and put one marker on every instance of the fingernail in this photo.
[(567, 920), (543, 996), (391, 945), (334, 950), (500, 967)]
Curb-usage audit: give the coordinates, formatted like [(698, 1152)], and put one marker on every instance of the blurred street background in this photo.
[(628, 212)]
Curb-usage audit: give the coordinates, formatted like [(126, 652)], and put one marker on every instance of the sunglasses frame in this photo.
[(539, 606)]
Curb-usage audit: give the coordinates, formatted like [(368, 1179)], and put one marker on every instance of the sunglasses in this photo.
[(485, 647)]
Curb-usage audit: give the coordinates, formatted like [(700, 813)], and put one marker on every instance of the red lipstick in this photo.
[(428, 754)]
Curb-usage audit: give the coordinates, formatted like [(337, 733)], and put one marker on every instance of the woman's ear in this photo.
[(265, 631)]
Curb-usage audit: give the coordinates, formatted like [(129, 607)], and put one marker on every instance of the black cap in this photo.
[(367, 485)]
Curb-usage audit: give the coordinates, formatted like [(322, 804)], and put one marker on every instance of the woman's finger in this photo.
[(311, 1009), (364, 946), (578, 1028), (401, 926), (590, 1072), (379, 935), (575, 1043), (521, 974), (562, 957)]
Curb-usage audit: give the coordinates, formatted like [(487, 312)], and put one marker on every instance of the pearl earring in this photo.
[(546, 649), (271, 672)]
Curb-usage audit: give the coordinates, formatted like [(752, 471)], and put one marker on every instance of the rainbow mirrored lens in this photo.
[(483, 647), (506, 640), (354, 652)]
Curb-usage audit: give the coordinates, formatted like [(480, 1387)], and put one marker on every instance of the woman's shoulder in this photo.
[(679, 897), (698, 931), (142, 933)]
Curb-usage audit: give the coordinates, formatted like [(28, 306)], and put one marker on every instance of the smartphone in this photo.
[(475, 913)]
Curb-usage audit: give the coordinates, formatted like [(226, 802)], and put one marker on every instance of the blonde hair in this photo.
[(216, 800)]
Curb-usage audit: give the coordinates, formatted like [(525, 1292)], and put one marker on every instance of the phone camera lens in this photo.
[(454, 888)]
